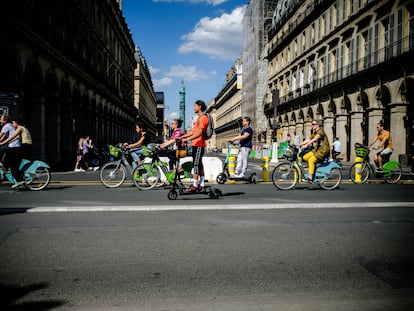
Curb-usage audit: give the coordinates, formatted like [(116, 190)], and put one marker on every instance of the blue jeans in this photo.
[(135, 154)]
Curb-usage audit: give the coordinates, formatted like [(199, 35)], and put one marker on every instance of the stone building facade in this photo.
[(145, 98), (347, 63), (227, 111), (67, 68)]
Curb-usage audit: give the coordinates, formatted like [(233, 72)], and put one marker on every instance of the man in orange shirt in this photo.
[(385, 147), (198, 143)]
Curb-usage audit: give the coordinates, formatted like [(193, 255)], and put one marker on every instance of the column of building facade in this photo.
[(341, 129), (375, 115), (397, 124), (292, 130), (356, 135), (328, 128), (285, 131), (307, 128), (299, 131)]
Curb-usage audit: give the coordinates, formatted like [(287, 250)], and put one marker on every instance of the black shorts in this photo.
[(198, 153)]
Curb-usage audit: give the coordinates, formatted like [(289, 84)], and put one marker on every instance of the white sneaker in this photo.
[(76, 170), (96, 168), (234, 175), (81, 170), (18, 184)]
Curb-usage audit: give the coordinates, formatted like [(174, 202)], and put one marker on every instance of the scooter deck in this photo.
[(205, 190)]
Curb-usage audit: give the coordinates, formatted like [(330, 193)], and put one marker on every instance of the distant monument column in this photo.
[(182, 104)]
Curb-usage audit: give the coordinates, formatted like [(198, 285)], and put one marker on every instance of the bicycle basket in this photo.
[(289, 153), (147, 152), (114, 151), (361, 152)]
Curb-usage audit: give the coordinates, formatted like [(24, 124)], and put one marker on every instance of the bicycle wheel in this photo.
[(112, 174), (38, 181), (392, 172), (359, 172), (146, 176), (285, 176), (333, 179)]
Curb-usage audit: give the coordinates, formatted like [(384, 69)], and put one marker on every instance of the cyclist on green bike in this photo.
[(320, 151), (385, 146)]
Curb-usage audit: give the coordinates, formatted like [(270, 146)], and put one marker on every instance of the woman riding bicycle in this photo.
[(319, 152)]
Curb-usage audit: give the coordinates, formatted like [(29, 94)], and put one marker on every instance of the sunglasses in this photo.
[(314, 123)]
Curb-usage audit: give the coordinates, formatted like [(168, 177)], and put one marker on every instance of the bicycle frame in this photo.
[(166, 174), (321, 171), (360, 170), (286, 175), (30, 170), (114, 173)]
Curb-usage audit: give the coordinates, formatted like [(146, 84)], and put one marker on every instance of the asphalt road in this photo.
[(80, 246), (290, 259), (70, 191)]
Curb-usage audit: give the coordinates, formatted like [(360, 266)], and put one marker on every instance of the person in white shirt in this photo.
[(336, 149)]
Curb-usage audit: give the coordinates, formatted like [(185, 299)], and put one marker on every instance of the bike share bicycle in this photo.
[(177, 186), (36, 174), (360, 170), (287, 175), (225, 174), (149, 175), (113, 173)]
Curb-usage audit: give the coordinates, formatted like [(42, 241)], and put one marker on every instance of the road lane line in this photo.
[(185, 207)]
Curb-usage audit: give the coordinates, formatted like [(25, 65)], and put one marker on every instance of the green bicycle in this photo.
[(151, 174), (360, 170), (113, 173)]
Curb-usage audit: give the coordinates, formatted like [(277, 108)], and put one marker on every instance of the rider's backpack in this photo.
[(210, 127)]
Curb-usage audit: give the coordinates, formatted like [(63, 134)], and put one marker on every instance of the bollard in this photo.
[(265, 166), (231, 165), (357, 167)]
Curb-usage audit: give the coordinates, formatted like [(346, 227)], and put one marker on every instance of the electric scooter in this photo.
[(178, 187), (224, 175)]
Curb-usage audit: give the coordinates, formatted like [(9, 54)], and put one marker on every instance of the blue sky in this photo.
[(195, 41)]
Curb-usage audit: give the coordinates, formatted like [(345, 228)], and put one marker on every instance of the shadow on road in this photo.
[(11, 294)]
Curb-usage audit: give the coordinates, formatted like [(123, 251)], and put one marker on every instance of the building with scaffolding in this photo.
[(256, 24)]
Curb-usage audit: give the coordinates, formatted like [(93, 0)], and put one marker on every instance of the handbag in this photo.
[(305, 151)]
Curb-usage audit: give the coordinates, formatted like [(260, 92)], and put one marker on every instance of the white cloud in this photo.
[(153, 70), (219, 38), (212, 2), (186, 73), (173, 115), (165, 81)]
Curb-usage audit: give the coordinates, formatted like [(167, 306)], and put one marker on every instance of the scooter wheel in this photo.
[(221, 178), (172, 195), (215, 193)]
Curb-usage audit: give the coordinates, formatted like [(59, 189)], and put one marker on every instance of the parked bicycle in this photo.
[(360, 170), (148, 175), (114, 173), (36, 174), (287, 175)]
